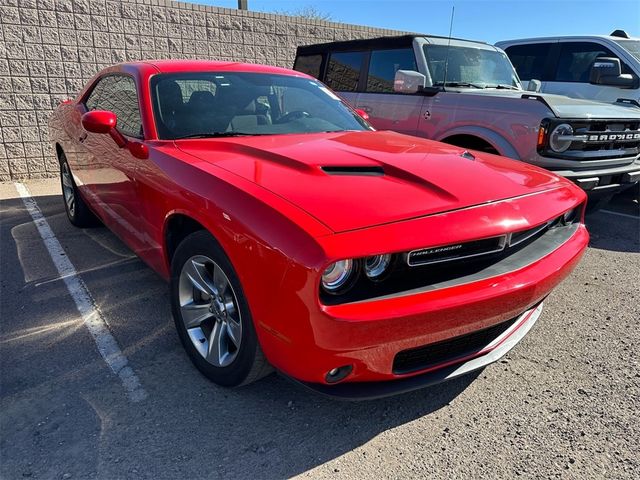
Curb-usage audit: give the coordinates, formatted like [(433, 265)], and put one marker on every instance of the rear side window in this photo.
[(309, 64), (117, 93), (383, 67), (576, 58), (343, 71), (529, 60)]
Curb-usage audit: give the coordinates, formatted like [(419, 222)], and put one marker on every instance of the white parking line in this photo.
[(95, 323), (636, 217)]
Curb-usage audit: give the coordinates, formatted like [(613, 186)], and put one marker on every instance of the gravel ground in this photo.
[(563, 404)]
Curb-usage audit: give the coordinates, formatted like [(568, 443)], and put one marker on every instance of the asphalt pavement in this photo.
[(563, 404)]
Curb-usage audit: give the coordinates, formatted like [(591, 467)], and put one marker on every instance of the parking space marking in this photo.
[(636, 217), (93, 320)]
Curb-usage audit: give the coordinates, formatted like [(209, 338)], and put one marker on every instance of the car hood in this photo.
[(562, 106), (353, 180)]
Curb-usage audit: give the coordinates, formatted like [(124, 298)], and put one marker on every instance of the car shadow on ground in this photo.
[(61, 402), (613, 232)]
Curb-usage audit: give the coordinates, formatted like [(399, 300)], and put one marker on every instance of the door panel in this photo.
[(390, 111), (110, 170)]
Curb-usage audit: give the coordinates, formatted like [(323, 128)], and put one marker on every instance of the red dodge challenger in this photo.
[(360, 263)]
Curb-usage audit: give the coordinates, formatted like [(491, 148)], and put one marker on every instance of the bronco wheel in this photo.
[(211, 314), (77, 211)]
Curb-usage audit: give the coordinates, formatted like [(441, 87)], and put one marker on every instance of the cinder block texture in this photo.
[(49, 49)]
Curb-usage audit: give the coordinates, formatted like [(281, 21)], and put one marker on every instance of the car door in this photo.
[(110, 169), (387, 109), (573, 68)]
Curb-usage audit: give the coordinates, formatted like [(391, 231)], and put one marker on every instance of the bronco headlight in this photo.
[(556, 142), (376, 266), (338, 276)]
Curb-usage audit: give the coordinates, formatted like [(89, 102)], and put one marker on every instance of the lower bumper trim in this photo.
[(374, 390)]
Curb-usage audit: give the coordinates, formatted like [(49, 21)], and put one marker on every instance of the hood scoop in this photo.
[(356, 170)]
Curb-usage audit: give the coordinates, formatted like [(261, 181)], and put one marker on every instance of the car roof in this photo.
[(189, 65), (395, 41), (563, 37)]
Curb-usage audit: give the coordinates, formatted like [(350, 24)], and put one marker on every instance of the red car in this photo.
[(359, 263)]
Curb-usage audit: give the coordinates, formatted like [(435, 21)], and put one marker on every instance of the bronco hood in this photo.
[(352, 180), (562, 106)]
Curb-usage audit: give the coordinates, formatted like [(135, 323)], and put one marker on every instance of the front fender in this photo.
[(497, 141)]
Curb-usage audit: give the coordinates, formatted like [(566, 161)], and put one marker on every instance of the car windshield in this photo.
[(470, 67), (222, 104), (631, 46)]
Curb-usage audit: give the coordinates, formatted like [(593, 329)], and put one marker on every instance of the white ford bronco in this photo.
[(468, 94)]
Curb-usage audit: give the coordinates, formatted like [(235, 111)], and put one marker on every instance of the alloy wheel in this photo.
[(209, 310)]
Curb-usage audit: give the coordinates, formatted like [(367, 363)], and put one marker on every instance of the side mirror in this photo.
[(362, 113), (103, 121), (608, 71), (408, 81), (99, 121), (534, 86)]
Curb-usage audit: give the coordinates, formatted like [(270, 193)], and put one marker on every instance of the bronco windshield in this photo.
[(222, 104), (470, 67)]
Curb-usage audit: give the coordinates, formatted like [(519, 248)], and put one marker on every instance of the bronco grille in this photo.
[(450, 350), (598, 140)]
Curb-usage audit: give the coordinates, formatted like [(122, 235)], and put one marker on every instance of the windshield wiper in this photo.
[(216, 135), (502, 86), (457, 84)]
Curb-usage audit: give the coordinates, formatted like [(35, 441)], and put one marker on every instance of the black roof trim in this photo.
[(397, 41)]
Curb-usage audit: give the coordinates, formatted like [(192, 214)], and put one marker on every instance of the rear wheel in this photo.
[(77, 210), (211, 314)]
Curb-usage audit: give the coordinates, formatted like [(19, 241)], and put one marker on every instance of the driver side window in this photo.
[(117, 93)]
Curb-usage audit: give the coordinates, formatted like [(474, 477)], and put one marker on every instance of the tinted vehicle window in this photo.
[(576, 59), (343, 71), (529, 60), (215, 104), (309, 64), (383, 67), (117, 93)]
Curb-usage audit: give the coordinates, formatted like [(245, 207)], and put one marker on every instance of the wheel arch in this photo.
[(177, 227), (476, 138), (59, 150)]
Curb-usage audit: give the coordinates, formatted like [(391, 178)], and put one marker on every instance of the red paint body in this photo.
[(281, 220)]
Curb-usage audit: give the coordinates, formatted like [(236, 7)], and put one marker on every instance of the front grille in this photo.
[(445, 265), (602, 140), (425, 256), (458, 348)]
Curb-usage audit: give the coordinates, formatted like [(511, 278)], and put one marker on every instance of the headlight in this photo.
[(338, 275), (557, 144), (376, 266)]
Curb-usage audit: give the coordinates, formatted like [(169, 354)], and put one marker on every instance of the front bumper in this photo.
[(603, 180), (487, 354), (369, 335)]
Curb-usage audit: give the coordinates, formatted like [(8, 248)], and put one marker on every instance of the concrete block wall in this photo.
[(50, 48)]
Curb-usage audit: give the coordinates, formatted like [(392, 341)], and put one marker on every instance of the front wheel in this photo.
[(211, 314), (77, 210)]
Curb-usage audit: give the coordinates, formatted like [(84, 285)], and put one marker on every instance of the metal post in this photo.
[(243, 5)]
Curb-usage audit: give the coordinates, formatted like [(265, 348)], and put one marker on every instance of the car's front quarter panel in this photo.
[(262, 235)]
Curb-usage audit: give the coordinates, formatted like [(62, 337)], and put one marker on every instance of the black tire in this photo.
[(249, 363), (77, 210)]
